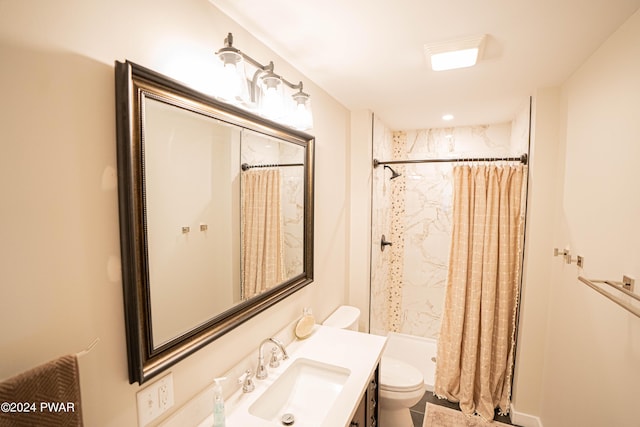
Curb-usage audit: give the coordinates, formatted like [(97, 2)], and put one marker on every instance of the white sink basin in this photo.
[(304, 391)]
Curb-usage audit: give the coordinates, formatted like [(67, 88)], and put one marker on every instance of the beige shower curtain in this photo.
[(262, 234), (477, 337)]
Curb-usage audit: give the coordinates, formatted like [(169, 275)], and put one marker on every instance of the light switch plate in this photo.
[(155, 399)]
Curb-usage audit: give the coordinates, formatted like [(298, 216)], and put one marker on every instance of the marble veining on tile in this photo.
[(414, 212)]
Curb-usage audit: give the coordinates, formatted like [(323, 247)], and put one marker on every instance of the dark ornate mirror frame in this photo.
[(133, 84)]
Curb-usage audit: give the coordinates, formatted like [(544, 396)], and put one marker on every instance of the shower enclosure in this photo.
[(411, 207)]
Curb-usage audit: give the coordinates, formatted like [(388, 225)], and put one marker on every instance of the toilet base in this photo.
[(395, 418), (394, 407)]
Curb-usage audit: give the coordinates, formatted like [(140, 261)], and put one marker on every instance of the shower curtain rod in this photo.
[(247, 166), (522, 159)]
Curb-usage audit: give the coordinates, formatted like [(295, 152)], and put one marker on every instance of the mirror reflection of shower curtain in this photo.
[(477, 337), (262, 232)]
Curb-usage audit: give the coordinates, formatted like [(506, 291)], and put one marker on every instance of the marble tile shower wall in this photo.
[(408, 278)]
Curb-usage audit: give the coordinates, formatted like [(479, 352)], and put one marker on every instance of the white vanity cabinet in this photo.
[(348, 359)]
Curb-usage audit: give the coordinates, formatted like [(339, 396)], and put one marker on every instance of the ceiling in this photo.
[(369, 54)]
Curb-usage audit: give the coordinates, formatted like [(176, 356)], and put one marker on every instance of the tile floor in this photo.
[(417, 412)]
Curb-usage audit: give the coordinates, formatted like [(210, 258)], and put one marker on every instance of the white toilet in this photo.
[(400, 385)]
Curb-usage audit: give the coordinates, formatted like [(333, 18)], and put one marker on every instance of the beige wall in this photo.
[(546, 156), (360, 213), (580, 365), (59, 252)]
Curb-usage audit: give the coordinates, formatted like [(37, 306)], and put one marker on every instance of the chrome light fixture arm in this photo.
[(261, 69)]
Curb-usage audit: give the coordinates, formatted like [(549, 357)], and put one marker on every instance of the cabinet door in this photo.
[(367, 413), (361, 414), (371, 397)]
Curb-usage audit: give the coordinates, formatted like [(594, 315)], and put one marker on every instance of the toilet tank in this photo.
[(345, 317)]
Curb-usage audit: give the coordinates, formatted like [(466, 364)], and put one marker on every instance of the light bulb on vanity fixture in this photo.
[(266, 92), (231, 80), (301, 115), (271, 103)]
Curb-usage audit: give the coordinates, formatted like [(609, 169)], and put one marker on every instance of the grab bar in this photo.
[(619, 286)]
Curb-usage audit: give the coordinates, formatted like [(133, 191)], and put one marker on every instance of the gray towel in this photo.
[(45, 396)]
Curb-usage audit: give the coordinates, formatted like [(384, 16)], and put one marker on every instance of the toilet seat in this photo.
[(396, 375)]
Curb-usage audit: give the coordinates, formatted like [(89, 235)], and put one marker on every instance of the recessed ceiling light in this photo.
[(452, 54), (447, 117)]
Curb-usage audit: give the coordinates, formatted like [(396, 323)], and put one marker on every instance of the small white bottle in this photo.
[(218, 404)]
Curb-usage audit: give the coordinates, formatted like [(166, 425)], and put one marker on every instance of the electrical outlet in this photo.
[(155, 399)]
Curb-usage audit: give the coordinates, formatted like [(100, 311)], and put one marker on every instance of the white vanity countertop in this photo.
[(358, 352)]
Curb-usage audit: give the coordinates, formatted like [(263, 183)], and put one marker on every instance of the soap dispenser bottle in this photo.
[(218, 403)]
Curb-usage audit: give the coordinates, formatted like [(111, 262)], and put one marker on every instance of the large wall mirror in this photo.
[(216, 216)]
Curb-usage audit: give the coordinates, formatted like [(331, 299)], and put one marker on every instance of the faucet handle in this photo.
[(246, 380), (275, 359), (280, 344)]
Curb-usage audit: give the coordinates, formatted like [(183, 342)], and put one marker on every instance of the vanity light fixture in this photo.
[(251, 85), (271, 102), (302, 118), (458, 53), (232, 77)]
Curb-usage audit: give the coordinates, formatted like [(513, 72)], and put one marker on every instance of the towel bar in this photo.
[(619, 287)]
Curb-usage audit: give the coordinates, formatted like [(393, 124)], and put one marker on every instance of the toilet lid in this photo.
[(396, 375)]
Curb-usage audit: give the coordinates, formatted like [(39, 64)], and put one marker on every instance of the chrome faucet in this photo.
[(261, 372)]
